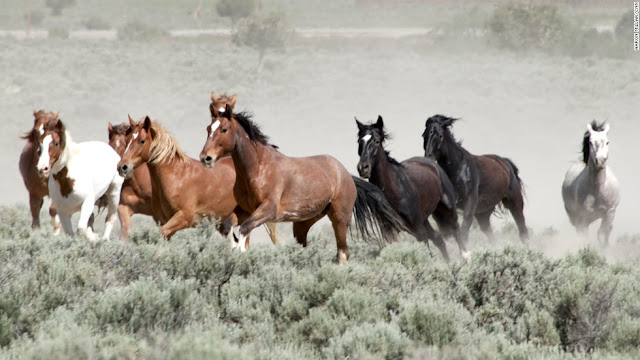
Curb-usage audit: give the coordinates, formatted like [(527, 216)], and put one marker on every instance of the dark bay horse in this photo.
[(416, 188), (274, 187), (480, 182), (135, 195), (183, 191), (36, 185)]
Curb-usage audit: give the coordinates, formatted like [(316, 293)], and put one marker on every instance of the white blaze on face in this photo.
[(221, 110), (117, 142), (135, 136), (214, 126), (366, 138), (43, 161), (41, 129)]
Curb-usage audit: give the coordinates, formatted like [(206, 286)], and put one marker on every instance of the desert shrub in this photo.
[(626, 335), (356, 304), (236, 9), (96, 23), (369, 341), (58, 33), (433, 322), (317, 328), (624, 27), (524, 26), (14, 222), (36, 17), (140, 31), (57, 6), (262, 32)]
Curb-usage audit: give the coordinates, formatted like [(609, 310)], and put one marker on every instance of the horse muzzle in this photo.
[(364, 171), (125, 170), (208, 160), (44, 173)]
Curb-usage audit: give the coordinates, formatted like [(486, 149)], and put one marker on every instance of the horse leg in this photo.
[(266, 212), (340, 213), (448, 225), (85, 222), (605, 228), (65, 220), (515, 203), (178, 221), (125, 212), (301, 229), (484, 221), (35, 203), (55, 219), (437, 239), (113, 198), (272, 231), (468, 209)]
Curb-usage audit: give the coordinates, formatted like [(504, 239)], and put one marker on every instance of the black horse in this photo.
[(415, 188), (480, 182)]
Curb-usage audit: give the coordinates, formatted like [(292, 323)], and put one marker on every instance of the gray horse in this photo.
[(590, 190)]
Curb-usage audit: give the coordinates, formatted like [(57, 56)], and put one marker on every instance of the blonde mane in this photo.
[(164, 146)]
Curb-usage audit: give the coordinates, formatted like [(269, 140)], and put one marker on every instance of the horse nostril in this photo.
[(208, 159), (124, 167)]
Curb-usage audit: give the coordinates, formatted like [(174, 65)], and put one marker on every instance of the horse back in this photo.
[(432, 184)]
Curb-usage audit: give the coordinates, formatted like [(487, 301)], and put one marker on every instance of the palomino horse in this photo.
[(183, 191), (135, 196), (416, 188), (79, 175), (36, 185), (480, 182), (590, 190), (275, 187)]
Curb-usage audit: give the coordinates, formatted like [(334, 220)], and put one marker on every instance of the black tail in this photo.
[(375, 218), (515, 177)]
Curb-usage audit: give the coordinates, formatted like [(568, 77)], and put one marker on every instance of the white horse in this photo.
[(79, 175), (590, 190)]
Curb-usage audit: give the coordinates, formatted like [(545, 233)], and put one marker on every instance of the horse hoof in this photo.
[(466, 255)]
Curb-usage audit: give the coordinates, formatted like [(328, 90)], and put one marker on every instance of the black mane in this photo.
[(251, 128), (585, 141), (446, 122), (120, 129)]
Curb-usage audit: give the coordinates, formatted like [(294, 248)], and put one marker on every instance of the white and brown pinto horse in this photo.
[(79, 174), (590, 190)]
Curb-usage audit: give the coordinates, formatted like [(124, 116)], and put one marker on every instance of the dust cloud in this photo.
[(531, 107)]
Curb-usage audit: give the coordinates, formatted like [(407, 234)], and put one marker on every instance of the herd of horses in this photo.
[(245, 182)]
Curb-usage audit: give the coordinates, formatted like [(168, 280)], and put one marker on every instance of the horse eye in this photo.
[(142, 141), (55, 143), (431, 132), (607, 143), (224, 130)]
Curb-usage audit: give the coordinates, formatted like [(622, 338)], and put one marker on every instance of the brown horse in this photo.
[(183, 191), (36, 185), (274, 187), (135, 195)]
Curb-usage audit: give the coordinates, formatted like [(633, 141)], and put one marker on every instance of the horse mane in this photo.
[(120, 129), (164, 146), (446, 122), (587, 136), (252, 129), (32, 135)]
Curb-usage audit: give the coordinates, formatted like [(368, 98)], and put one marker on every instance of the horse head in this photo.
[(436, 128), (118, 137), (370, 142), (139, 137), (596, 144), (51, 144), (220, 141)]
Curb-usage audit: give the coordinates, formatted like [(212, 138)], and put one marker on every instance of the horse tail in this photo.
[(374, 216), (448, 191), (515, 183)]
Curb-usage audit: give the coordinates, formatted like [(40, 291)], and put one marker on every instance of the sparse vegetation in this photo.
[(96, 23), (57, 6), (236, 9), (140, 31), (194, 297), (58, 33)]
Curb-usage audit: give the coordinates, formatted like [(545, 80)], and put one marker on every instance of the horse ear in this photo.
[(380, 123), (228, 111), (60, 126), (232, 102), (213, 96), (57, 115), (147, 123), (110, 127), (360, 125), (132, 122), (589, 127), (606, 128)]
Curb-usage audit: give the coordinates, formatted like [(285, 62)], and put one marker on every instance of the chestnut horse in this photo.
[(36, 185), (481, 182), (274, 187), (183, 191), (79, 174), (135, 196), (416, 187)]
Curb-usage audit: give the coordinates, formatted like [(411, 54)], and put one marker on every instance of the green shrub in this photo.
[(262, 32), (57, 6), (236, 9), (525, 26), (140, 31), (624, 27), (433, 323), (369, 341)]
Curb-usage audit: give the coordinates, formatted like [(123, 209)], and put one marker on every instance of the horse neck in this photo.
[(163, 172), (597, 177), (382, 171), (247, 156), (65, 156), (451, 156)]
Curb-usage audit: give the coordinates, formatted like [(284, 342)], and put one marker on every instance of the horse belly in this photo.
[(66, 204)]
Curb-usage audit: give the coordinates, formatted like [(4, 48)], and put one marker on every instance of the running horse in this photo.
[(481, 182), (590, 190), (182, 190), (36, 185), (79, 175), (135, 196), (274, 187), (416, 188)]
